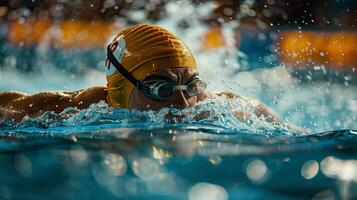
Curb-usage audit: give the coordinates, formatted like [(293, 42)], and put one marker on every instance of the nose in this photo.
[(179, 100)]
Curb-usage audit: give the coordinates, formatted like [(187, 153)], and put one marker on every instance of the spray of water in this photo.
[(220, 112), (320, 107)]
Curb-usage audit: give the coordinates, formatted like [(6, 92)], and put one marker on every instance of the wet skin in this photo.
[(15, 105)]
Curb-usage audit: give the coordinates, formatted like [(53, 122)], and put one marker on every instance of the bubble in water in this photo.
[(115, 164), (310, 169), (341, 169), (257, 171), (215, 160), (146, 168), (79, 155), (207, 191)]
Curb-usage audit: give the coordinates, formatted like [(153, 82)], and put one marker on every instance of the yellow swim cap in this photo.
[(145, 49)]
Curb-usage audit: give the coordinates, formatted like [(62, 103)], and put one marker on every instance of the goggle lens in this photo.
[(196, 87), (162, 90)]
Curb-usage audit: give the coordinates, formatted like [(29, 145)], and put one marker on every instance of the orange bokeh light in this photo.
[(65, 35), (213, 39), (333, 49)]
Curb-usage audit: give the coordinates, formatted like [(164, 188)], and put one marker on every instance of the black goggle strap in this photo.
[(144, 87), (125, 73)]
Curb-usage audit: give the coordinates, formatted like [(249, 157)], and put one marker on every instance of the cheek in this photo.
[(193, 100), (135, 100), (201, 97)]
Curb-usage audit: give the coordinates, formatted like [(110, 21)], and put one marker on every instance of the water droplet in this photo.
[(257, 171), (310, 169), (115, 164), (146, 168), (207, 191)]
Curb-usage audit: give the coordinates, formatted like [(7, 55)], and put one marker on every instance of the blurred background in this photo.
[(297, 56)]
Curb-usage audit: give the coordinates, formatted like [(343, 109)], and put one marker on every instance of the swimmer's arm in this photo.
[(261, 110), (8, 97), (86, 97), (37, 104)]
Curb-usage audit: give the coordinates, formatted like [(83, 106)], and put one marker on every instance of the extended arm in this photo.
[(14, 105), (270, 116), (261, 110)]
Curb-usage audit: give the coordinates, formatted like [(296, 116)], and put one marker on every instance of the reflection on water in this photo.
[(219, 112), (345, 170), (257, 171), (103, 153), (207, 191), (115, 164), (176, 161), (23, 165), (310, 169)]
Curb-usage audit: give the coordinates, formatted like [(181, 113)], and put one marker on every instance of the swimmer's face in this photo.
[(178, 76)]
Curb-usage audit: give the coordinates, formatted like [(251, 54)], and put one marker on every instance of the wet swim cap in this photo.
[(143, 49)]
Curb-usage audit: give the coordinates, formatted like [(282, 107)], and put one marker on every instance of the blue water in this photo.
[(106, 153)]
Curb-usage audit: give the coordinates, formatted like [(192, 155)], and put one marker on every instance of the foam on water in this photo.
[(199, 152), (218, 112), (320, 106)]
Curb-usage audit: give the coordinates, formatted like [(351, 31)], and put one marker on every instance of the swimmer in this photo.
[(148, 68)]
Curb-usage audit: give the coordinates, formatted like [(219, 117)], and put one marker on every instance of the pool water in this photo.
[(106, 153)]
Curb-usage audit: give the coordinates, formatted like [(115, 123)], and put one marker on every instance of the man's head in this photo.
[(177, 99), (150, 52)]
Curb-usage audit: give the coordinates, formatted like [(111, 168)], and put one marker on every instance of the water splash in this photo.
[(329, 106), (219, 112)]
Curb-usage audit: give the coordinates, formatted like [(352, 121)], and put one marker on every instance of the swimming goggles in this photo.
[(158, 89)]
